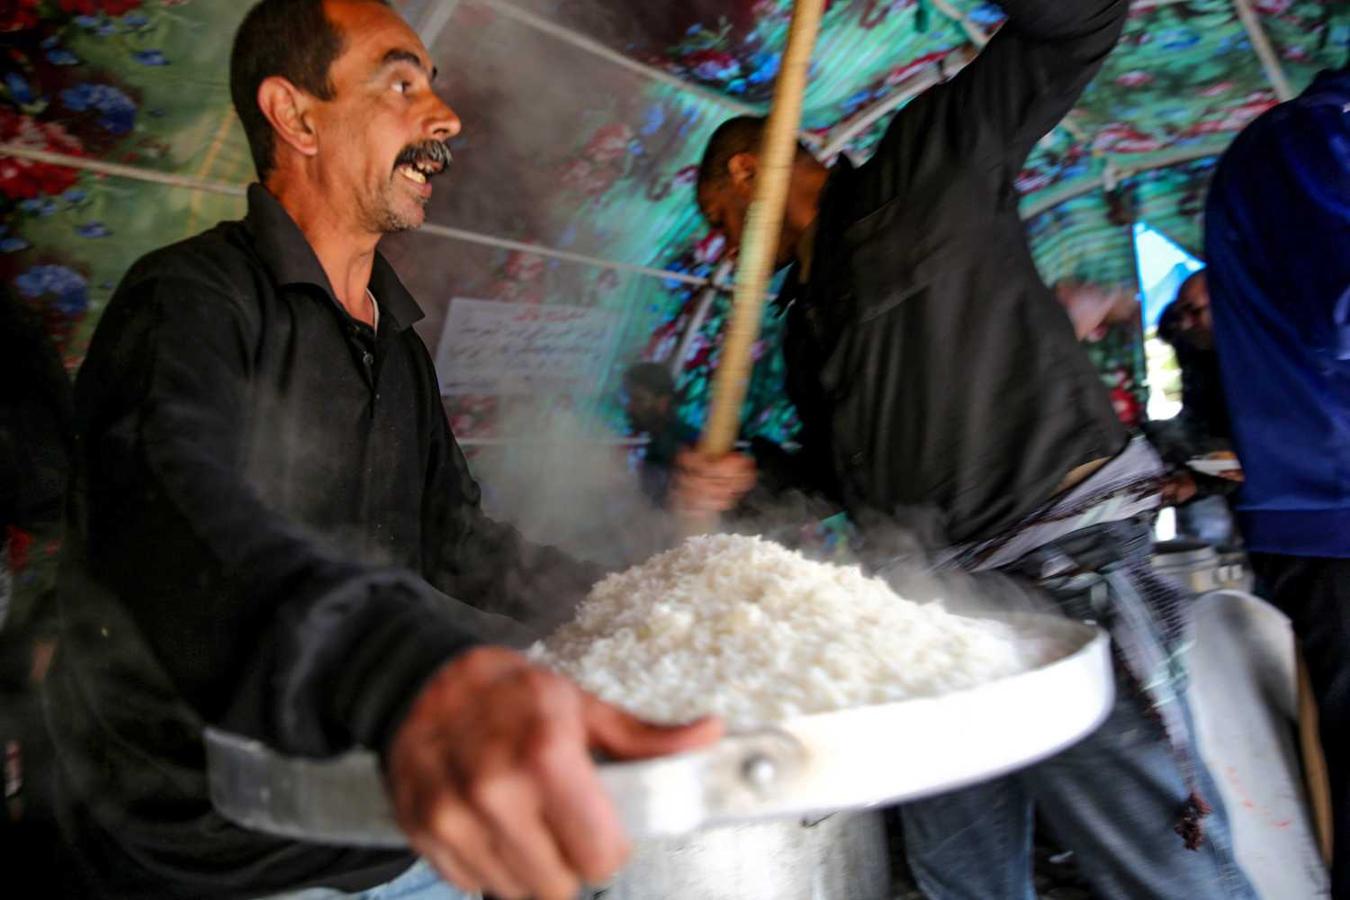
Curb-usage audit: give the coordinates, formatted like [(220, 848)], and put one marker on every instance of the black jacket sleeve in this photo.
[(1020, 86), (290, 641), (35, 421)]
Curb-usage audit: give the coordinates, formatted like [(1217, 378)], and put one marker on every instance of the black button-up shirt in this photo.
[(938, 382), (268, 505)]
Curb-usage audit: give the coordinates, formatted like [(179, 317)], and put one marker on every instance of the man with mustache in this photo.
[(268, 504)]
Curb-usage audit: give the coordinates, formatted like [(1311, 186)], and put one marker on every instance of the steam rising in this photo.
[(559, 483), (563, 480)]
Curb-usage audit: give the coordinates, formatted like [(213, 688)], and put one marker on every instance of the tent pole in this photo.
[(700, 315), (1070, 190), (230, 189), (434, 21), (1066, 192), (977, 35), (487, 240), (1265, 52)]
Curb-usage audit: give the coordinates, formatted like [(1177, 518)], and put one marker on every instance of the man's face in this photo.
[(725, 205), (381, 139), (1197, 323), (647, 411)]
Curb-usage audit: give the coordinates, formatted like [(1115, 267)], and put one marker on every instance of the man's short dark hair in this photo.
[(733, 137), (743, 134), (1170, 319), (1169, 323), (289, 38), (654, 378)]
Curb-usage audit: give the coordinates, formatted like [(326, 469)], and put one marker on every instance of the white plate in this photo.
[(813, 764), (1214, 466)]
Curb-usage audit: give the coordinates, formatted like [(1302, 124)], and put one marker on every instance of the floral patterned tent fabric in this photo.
[(583, 121)]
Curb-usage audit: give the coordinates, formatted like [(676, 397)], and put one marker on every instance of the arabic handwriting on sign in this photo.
[(497, 347)]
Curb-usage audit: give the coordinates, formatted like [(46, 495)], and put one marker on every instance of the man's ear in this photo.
[(742, 169), (288, 108)]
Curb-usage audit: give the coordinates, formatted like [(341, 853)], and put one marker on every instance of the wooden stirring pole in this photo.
[(764, 225)]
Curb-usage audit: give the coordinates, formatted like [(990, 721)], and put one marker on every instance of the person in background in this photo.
[(1202, 430), (939, 384), (36, 435), (1187, 326), (1094, 307), (273, 531), (650, 401), (1277, 239)]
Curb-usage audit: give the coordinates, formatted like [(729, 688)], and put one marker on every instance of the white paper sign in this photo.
[(494, 347)]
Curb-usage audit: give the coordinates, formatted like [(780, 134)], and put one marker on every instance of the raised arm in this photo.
[(1020, 86)]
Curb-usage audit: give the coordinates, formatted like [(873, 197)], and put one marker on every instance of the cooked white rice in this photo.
[(748, 630)]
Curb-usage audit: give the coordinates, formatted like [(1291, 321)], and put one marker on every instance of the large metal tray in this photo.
[(812, 765)]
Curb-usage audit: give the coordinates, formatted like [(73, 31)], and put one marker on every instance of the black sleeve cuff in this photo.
[(349, 662), (387, 669)]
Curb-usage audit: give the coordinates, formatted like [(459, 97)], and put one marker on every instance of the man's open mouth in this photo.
[(422, 162), (420, 173)]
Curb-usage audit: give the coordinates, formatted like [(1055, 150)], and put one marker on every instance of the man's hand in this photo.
[(492, 780), (1178, 488), (710, 484), (1228, 474), (1094, 306)]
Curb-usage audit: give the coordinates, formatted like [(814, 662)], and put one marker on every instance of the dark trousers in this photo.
[(1314, 592)]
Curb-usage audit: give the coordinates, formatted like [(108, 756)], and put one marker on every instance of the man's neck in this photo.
[(806, 251), (345, 251), (803, 212)]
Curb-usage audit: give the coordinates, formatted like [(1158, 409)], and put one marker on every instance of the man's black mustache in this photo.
[(437, 152)]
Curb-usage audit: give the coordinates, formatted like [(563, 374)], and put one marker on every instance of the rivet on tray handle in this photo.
[(744, 769), (759, 770)]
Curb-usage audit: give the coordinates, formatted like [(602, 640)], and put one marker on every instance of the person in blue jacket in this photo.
[(1278, 242)]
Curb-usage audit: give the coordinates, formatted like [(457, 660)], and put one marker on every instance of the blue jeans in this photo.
[(418, 883), (1112, 799), (1208, 519)]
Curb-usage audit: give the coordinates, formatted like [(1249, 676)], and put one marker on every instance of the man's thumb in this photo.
[(623, 736)]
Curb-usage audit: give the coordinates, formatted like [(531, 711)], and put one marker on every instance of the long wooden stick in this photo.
[(763, 227), (1314, 762)]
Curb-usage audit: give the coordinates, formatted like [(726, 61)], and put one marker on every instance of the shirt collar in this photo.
[(288, 256)]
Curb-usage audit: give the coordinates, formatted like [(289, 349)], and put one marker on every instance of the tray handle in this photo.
[(343, 800)]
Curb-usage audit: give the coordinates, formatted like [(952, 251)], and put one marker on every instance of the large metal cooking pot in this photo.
[(1200, 568), (840, 857), (1193, 564), (748, 817)]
